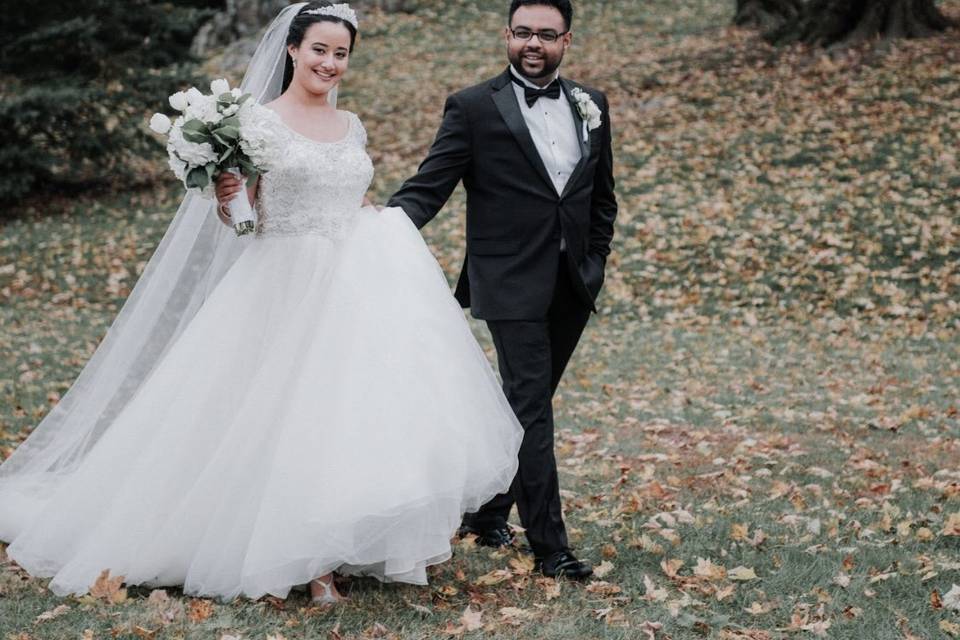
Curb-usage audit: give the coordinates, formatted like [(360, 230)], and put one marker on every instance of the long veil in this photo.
[(193, 255)]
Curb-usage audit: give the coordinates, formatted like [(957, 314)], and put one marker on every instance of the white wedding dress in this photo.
[(327, 408)]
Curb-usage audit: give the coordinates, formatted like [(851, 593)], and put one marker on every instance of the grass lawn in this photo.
[(759, 435)]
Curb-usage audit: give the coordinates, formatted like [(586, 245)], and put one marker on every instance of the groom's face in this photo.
[(533, 57)]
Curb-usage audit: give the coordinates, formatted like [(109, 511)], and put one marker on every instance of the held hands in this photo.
[(228, 186), (367, 202)]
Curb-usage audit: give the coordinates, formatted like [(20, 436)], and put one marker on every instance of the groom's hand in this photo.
[(228, 185)]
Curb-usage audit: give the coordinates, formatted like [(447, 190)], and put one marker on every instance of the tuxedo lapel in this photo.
[(584, 144), (506, 101)]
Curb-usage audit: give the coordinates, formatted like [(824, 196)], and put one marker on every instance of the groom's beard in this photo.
[(550, 64)]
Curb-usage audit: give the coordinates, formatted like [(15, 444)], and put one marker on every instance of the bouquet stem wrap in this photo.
[(241, 213)]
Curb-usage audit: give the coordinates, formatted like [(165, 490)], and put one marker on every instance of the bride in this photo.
[(267, 410)]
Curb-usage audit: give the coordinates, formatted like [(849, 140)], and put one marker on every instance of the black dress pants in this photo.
[(532, 356)]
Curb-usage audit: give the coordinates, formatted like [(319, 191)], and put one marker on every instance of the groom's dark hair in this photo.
[(565, 7)]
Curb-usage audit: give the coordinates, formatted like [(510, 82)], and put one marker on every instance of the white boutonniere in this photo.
[(588, 110)]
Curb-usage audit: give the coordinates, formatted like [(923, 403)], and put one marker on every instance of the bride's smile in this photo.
[(321, 60)]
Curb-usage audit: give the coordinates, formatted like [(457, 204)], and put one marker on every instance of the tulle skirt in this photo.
[(326, 409)]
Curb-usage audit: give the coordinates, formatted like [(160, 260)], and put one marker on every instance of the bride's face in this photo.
[(322, 58)]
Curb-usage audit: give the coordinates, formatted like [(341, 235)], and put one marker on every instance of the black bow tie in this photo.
[(531, 95)]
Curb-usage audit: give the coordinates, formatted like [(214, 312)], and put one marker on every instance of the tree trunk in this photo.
[(850, 22), (767, 15)]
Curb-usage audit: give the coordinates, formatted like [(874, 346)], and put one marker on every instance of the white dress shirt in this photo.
[(554, 132)]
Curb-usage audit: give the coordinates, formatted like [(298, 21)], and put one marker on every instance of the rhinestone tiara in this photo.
[(342, 11)]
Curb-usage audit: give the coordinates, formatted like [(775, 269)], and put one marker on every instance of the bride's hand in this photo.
[(224, 214), (228, 185)]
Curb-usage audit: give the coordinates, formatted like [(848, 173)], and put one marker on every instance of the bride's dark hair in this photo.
[(298, 29)]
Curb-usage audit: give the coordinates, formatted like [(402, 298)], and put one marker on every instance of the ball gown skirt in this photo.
[(327, 408)]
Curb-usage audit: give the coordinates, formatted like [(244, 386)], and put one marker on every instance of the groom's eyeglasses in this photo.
[(548, 35)]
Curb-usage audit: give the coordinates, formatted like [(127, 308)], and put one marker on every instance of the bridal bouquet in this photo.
[(214, 133)]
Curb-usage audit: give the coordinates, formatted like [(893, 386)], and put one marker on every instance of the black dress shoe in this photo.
[(495, 537), (563, 563)]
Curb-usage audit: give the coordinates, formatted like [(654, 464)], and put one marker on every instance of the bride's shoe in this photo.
[(329, 595)]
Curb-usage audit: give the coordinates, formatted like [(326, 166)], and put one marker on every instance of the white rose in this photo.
[(236, 93), (593, 115), (219, 87), (194, 96), (179, 101), (204, 109), (195, 155), (160, 123), (178, 166)]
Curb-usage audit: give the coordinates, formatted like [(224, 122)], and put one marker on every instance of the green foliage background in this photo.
[(77, 80)]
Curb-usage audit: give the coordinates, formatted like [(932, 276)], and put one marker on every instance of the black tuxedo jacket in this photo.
[(515, 217)]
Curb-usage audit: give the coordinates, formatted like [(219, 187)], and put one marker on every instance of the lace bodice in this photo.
[(314, 186)]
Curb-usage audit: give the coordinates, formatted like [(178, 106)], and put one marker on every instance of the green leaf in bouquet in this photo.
[(251, 177), (196, 132), (196, 138), (222, 160), (226, 142), (193, 125), (227, 135), (231, 121), (198, 178), (246, 167)]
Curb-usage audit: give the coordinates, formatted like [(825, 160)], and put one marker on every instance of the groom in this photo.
[(534, 153)]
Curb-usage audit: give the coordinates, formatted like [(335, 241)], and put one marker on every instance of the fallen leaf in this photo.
[(842, 580), (515, 616), (818, 628), (951, 628), (602, 588), (108, 589), (419, 608), (671, 567), (739, 532), (951, 599), (742, 574), (603, 569), (951, 526), (708, 570), (653, 593), (471, 619), (649, 629), (494, 577), (522, 566), (199, 610), (56, 612)]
